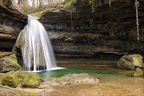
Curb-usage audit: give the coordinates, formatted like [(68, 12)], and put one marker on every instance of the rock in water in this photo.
[(83, 78)]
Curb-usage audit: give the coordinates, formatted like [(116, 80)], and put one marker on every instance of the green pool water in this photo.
[(112, 78), (106, 74), (117, 79), (94, 72)]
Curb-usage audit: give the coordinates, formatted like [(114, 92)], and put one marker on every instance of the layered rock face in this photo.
[(12, 22), (104, 28), (100, 28)]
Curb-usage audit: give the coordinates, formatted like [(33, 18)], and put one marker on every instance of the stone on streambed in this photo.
[(83, 78), (130, 61), (29, 80), (137, 73), (21, 78), (9, 63), (9, 79)]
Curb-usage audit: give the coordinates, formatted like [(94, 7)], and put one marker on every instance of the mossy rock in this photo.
[(9, 63), (138, 72), (137, 60), (9, 79), (69, 5), (130, 61), (24, 79), (30, 80)]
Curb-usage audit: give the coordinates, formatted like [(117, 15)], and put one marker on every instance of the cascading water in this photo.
[(36, 47), (137, 19)]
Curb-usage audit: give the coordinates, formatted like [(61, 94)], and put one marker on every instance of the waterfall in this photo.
[(137, 19), (110, 3), (36, 49)]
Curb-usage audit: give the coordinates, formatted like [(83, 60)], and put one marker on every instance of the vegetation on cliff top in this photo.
[(70, 4)]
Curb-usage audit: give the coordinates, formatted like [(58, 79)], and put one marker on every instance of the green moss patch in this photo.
[(138, 72), (30, 80), (137, 60), (14, 63), (9, 79), (9, 63), (24, 79), (69, 4)]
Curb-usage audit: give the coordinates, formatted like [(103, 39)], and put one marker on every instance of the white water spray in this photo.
[(137, 19), (37, 50)]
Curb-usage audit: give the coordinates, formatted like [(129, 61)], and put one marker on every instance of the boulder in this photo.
[(29, 79), (130, 61), (24, 79), (9, 63), (137, 73), (83, 78), (9, 79)]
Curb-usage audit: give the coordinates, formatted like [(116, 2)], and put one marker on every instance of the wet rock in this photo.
[(9, 63), (130, 61), (137, 73), (83, 78), (33, 59)]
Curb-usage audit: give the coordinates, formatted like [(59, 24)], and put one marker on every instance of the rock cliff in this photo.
[(12, 21), (98, 28), (87, 28)]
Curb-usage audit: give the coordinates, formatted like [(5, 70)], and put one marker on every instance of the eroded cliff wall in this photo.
[(99, 28), (12, 21), (86, 29)]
